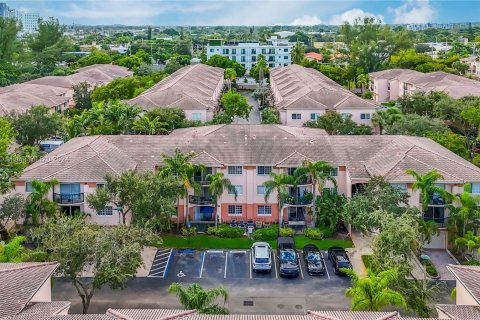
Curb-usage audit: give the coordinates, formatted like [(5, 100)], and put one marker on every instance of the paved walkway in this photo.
[(441, 259), (254, 117)]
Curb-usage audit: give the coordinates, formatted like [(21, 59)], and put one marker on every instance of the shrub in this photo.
[(213, 231), (314, 233), (430, 268), (225, 231), (326, 231), (266, 234), (286, 232), (472, 262)]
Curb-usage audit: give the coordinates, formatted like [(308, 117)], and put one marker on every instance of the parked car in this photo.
[(314, 261), (261, 257), (288, 257), (339, 259)]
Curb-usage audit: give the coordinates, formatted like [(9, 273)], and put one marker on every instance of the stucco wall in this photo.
[(463, 297), (44, 294)]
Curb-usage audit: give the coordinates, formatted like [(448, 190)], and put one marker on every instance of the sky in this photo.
[(250, 12)]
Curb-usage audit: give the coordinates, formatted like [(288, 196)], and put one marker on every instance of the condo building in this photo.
[(277, 51), (247, 154)]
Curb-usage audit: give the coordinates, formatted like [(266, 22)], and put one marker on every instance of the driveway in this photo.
[(441, 259), (254, 117)]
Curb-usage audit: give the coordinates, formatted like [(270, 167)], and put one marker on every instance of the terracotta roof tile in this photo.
[(469, 277), (459, 312)]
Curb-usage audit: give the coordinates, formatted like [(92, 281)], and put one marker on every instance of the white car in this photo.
[(261, 257)]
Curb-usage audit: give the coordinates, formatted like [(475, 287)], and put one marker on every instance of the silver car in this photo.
[(261, 257)]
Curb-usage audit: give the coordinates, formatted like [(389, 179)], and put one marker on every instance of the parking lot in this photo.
[(222, 265)]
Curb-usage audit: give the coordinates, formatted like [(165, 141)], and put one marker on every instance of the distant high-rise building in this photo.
[(424, 26), (29, 20)]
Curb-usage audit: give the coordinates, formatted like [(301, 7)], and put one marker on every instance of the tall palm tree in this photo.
[(467, 205), (194, 297), (468, 241), (145, 125), (427, 187), (218, 184), (298, 53), (180, 167), (427, 229), (362, 80), (318, 173), (374, 292), (279, 183), (387, 117), (38, 204), (231, 76)]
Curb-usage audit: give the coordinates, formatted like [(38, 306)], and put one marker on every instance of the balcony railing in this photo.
[(200, 200), (441, 222), (70, 198), (305, 200)]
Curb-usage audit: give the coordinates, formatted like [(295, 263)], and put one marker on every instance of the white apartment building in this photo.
[(277, 51), (29, 20)]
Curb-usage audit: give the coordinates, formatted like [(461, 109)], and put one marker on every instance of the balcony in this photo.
[(200, 200), (305, 199), (70, 198)]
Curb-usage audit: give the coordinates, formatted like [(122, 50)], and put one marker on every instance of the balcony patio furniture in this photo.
[(266, 224), (285, 223), (241, 224), (250, 223), (233, 223), (258, 224)]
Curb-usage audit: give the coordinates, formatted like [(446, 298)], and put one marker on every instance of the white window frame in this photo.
[(365, 116), (196, 116), (107, 212), (236, 209), (239, 189), (235, 170), (263, 168), (314, 115), (296, 116), (264, 209), (261, 187), (400, 186)]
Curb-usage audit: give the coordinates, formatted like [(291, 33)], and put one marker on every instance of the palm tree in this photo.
[(180, 167), (231, 76), (145, 125), (279, 182), (38, 205), (467, 205), (469, 241), (362, 80), (298, 53), (374, 292), (194, 297), (318, 173), (383, 118), (427, 187), (218, 184), (427, 229)]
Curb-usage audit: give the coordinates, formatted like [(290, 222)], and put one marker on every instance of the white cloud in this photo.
[(351, 15), (413, 11), (306, 20)]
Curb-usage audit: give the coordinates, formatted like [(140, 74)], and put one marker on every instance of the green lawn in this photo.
[(209, 242)]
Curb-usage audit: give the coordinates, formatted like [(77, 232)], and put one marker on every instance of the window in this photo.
[(225, 51), (271, 65), (196, 116), (254, 51), (264, 51), (100, 185), (234, 51), (107, 211), (291, 171), (243, 59), (296, 116), (334, 172), (235, 210), (346, 115), (285, 50), (235, 170), (234, 58), (211, 50), (399, 186), (239, 190), (264, 170), (28, 187), (285, 57), (243, 51), (476, 187), (264, 210), (314, 116), (69, 188), (260, 189), (365, 116), (254, 59)]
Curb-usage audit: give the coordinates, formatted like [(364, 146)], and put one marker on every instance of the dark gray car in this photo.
[(314, 260), (288, 257)]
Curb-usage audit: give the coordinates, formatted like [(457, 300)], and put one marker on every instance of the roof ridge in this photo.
[(403, 157), (122, 316), (208, 154), (104, 161), (449, 267)]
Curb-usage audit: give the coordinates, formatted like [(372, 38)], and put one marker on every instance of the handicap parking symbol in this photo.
[(181, 274)]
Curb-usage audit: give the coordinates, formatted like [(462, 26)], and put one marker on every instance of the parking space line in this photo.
[(301, 270), (325, 266), (275, 264), (226, 262), (168, 263), (203, 261), (250, 259)]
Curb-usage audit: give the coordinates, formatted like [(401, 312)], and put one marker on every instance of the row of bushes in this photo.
[(225, 231)]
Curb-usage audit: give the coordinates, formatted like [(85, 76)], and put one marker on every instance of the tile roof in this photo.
[(353, 315), (88, 159), (297, 87), (45, 308), (21, 97), (21, 316), (469, 277), (459, 312), (19, 282), (97, 74), (149, 314), (455, 86), (193, 87)]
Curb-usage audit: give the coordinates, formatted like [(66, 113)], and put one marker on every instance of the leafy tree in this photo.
[(218, 185), (38, 205), (15, 251), (386, 117), (460, 67), (8, 37), (427, 228), (12, 209), (374, 292), (235, 105), (456, 143), (362, 81), (172, 66), (148, 126), (180, 167), (132, 62), (173, 117), (9, 164), (223, 62), (222, 118), (420, 103), (82, 95), (426, 185), (183, 47), (467, 210), (95, 57), (330, 207), (194, 297), (298, 53), (262, 92), (49, 33), (409, 59), (34, 125), (231, 76), (270, 116), (335, 124), (278, 183), (468, 242), (415, 125), (114, 254)]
